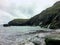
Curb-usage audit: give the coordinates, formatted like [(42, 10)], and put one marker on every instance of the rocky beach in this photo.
[(41, 29), (9, 36)]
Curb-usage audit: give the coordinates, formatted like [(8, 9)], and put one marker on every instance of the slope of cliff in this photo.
[(49, 17)]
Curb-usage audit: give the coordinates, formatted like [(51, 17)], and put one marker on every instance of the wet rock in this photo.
[(29, 43), (53, 39)]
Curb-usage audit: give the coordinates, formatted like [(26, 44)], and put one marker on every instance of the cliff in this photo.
[(16, 22), (48, 17)]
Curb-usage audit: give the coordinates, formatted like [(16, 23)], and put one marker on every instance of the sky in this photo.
[(12, 9)]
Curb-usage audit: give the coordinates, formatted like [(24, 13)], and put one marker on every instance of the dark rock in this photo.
[(53, 39), (5, 25), (52, 42)]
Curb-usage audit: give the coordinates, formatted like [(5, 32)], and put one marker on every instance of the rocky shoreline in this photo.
[(33, 38), (37, 37), (49, 38)]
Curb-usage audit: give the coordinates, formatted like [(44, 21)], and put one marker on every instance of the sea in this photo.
[(21, 35)]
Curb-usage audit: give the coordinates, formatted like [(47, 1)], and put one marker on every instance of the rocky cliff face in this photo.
[(50, 16)]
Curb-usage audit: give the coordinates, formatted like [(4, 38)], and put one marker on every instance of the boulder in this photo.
[(53, 39)]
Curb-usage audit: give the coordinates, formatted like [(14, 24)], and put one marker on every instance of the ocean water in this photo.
[(18, 35)]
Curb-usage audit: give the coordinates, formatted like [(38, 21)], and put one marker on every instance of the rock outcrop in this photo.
[(53, 39), (16, 22)]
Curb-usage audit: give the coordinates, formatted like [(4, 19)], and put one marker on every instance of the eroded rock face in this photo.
[(56, 22)]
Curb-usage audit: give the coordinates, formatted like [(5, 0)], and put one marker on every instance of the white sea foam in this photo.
[(17, 35)]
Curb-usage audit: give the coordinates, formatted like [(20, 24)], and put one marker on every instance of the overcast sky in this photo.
[(10, 9)]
